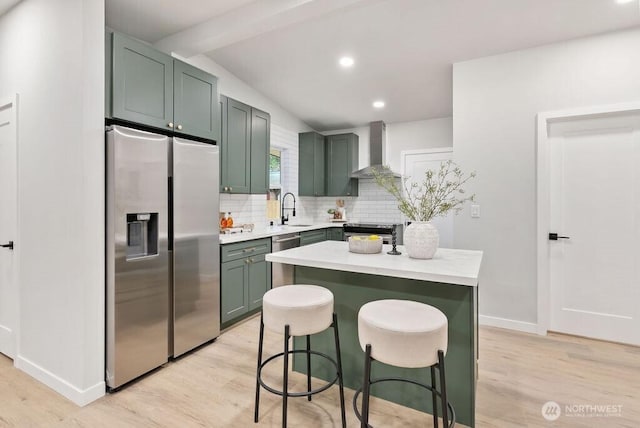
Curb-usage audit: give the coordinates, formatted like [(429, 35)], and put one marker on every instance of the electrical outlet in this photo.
[(475, 211)]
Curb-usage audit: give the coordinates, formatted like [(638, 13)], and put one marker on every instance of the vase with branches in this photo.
[(440, 192)]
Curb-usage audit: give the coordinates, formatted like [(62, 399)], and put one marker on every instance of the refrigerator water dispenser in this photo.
[(142, 235)]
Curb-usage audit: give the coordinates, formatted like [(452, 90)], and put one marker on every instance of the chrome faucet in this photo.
[(284, 219)]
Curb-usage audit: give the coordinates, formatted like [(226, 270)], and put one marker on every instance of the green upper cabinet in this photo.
[(260, 143), (151, 88), (341, 161), (236, 148), (142, 83), (195, 101), (244, 148), (311, 164)]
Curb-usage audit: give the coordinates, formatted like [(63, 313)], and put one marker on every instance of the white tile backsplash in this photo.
[(373, 204), (245, 208)]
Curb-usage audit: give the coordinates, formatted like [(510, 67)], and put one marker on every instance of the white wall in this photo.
[(231, 86), (416, 135), (495, 102), (53, 57)]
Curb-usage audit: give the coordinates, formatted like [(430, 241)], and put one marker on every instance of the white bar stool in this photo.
[(407, 334), (298, 310)]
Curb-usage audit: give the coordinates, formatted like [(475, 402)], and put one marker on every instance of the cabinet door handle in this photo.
[(179, 127), (170, 124), (249, 250), (9, 245)]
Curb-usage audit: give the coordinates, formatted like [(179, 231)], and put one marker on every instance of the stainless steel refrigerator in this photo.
[(163, 280)]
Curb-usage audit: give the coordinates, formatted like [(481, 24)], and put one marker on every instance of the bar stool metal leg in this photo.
[(339, 360), (434, 397), (309, 366), (443, 390), (285, 386), (257, 404), (366, 388)]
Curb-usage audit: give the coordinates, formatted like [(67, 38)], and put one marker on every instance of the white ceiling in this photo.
[(151, 20), (404, 49), (5, 5)]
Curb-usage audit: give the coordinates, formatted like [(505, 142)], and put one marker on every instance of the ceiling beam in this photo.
[(249, 21)]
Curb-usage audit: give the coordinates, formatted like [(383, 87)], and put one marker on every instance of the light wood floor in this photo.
[(214, 387)]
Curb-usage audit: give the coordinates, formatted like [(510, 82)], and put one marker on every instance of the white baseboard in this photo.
[(526, 327), (77, 396), (7, 342)]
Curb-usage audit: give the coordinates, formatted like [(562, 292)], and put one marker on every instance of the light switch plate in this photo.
[(475, 211)]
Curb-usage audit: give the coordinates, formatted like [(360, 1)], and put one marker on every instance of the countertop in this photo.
[(451, 266), (268, 231)]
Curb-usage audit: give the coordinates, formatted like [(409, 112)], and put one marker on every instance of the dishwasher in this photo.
[(282, 274)]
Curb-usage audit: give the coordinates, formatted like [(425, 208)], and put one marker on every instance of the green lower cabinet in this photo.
[(245, 276), (259, 280), (335, 234), (234, 284), (351, 291), (313, 236)]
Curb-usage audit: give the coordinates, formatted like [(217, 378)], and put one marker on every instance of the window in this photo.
[(275, 169)]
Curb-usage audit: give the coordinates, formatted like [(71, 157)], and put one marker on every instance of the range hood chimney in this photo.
[(377, 145)]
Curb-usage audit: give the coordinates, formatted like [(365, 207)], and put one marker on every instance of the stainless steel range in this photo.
[(384, 230)]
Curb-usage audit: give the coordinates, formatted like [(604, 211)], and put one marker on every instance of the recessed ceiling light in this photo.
[(623, 1), (378, 104), (346, 61)]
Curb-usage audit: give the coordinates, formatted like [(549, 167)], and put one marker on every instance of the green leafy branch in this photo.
[(439, 193)]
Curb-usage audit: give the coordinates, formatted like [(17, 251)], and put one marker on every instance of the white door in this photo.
[(8, 227), (595, 202), (414, 165)]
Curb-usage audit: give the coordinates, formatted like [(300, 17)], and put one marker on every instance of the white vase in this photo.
[(421, 240)]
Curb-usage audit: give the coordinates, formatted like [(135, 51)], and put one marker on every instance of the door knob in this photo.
[(555, 237), (179, 127), (9, 245), (170, 124)]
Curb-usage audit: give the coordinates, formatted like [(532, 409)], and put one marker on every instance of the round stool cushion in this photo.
[(403, 333), (307, 309)]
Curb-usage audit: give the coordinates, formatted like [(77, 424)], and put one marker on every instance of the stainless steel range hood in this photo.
[(377, 144)]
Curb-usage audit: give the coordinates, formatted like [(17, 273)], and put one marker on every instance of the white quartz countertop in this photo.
[(460, 267), (268, 231)]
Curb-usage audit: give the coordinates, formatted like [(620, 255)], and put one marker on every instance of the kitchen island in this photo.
[(448, 282)]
